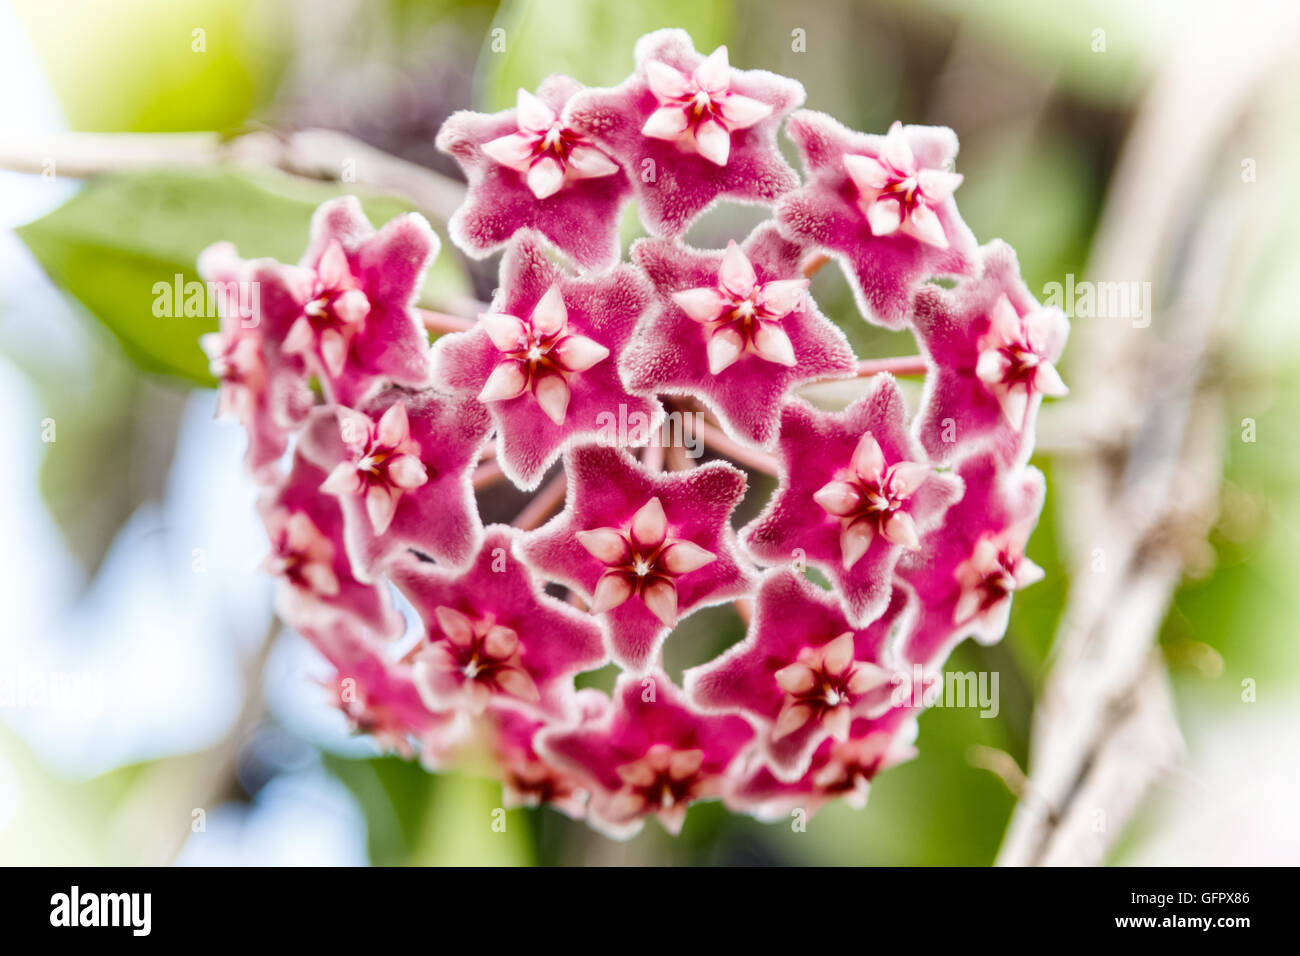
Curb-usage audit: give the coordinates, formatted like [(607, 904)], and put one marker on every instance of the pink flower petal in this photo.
[(667, 122), (553, 396), (666, 83), (661, 598), (507, 332), (701, 305), (508, 380), (577, 353), (772, 343), (884, 216), (532, 114), (838, 498), (925, 225), (725, 346), (713, 141), (866, 172), (742, 112), (605, 545), (587, 162), (783, 296), (545, 177), (683, 557), (901, 530), (381, 505), (611, 591), (394, 427), (868, 461), (714, 74), (513, 150), (649, 526), (854, 542), (550, 314)]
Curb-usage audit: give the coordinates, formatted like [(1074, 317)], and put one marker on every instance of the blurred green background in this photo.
[(1042, 115)]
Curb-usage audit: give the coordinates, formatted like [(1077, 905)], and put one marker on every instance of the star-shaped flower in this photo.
[(400, 466), (355, 289), (650, 753), (492, 635), (838, 768), (883, 206), (803, 672), (690, 130), (991, 350), (309, 557), (544, 359), (529, 169), (644, 549), (527, 778), (856, 492), (378, 695), (261, 387), (974, 560), (736, 329)]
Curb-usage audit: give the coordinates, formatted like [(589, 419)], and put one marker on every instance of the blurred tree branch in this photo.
[(311, 153), (1104, 727)]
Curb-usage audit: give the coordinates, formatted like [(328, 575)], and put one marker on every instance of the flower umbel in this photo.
[(599, 384)]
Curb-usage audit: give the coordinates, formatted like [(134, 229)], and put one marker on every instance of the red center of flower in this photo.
[(665, 779), (870, 499), (822, 685), (643, 561), (484, 657)]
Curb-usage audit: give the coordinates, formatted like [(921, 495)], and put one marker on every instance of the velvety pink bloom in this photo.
[(378, 695), (529, 779), (309, 557), (856, 492), (883, 206), (803, 672), (974, 560), (492, 635), (736, 329), (356, 289), (991, 350), (650, 753), (529, 169), (838, 768), (400, 467), (261, 387), (644, 549), (690, 130), (544, 359)]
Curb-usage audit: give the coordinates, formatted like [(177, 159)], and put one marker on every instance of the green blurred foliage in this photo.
[(590, 40), (121, 235), (139, 65)]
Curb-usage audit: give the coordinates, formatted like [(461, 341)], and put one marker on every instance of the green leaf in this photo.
[(125, 238), (590, 40)]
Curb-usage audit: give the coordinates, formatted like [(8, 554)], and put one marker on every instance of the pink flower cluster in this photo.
[(375, 451)]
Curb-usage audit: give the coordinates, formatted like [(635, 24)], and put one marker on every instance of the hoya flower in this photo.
[(527, 778), (856, 493), (260, 386), (400, 467), (735, 329), (974, 561), (992, 351), (378, 695), (544, 359), (529, 169), (644, 549), (492, 635), (651, 753), (355, 289), (838, 768), (690, 130), (883, 206), (803, 672), (308, 556)]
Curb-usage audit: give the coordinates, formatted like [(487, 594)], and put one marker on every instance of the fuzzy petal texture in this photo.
[(533, 670), (309, 557), (356, 289), (884, 270), (670, 351), (817, 448), (435, 514), (794, 621), (607, 489), (580, 216), (676, 180), (603, 310), (960, 595), (960, 409), (378, 695), (838, 769), (651, 752), (262, 386)]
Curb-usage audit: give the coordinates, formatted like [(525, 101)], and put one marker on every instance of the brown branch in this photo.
[(543, 504), (715, 439)]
